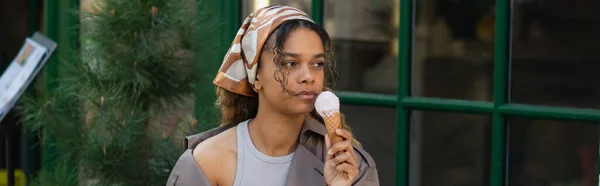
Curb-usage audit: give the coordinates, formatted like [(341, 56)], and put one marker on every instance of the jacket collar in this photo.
[(311, 124), (306, 167)]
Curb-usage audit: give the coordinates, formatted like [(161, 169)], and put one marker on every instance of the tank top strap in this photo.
[(239, 170)]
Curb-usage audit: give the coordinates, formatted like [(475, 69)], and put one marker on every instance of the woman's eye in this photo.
[(289, 64), (319, 64)]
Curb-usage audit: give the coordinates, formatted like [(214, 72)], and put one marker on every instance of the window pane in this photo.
[(449, 149), (454, 49), (249, 6), (543, 152), (375, 129), (555, 53), (365, 38)]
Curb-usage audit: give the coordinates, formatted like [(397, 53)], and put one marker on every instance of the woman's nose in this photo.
[(306, 76)]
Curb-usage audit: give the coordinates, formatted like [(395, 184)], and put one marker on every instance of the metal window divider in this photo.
[(406, 29), (499, 159), (317, 11), (58, 21)]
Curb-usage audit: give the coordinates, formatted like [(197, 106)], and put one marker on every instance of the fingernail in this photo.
[(338, 130), (329, 152), (333, 163)]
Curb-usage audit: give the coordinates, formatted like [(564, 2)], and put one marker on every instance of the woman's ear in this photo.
[(257, 85)]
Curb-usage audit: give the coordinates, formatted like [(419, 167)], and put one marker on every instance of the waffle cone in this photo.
[(333, 121)]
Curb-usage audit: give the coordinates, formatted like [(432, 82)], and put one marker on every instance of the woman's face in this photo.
[(303, 67)]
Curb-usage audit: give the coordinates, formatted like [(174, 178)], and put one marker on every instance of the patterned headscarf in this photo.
[(238, 71)]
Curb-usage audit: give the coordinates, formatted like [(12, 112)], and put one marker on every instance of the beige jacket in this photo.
[(306, 168)]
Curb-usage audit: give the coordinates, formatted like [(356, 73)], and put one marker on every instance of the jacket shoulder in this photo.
[(186, 172), (192, 141), (368, 175), (367, 169), (366, 157)]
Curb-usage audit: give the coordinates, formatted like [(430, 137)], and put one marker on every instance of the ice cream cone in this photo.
[(332, 122), (328, 106)]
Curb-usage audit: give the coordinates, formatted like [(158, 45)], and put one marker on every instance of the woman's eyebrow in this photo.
[(294, 55), (289, 54)]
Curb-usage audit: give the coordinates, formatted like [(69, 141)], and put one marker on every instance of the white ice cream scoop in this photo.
[(326, 103)]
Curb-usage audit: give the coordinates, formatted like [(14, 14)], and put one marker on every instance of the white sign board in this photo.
[(22, 70)]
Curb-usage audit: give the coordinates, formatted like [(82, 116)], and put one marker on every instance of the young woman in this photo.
[(270, 133)]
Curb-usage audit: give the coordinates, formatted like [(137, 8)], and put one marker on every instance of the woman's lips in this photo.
[(306, 95)]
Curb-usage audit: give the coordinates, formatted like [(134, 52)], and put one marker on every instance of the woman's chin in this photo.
[(302, 108)]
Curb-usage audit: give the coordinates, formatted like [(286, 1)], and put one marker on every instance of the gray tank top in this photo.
[(256, 168)]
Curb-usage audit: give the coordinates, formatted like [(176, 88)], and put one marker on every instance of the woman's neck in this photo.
[(275, 134)]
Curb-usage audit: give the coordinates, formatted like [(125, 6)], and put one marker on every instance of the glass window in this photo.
[(555, 53), (449, 149), (365, 41), (454, 49), (249, 6), (364, 35), (375, 129), (543, 152)]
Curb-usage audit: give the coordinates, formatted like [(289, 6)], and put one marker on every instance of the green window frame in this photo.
[(499, 108), (58, 24), (227, 13)]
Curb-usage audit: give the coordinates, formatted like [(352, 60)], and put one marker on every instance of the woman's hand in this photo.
[(341, 169)]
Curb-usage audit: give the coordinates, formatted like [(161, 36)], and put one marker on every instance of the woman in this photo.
[(270, 133)]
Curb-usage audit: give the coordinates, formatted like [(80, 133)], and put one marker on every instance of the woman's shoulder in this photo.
[(217, 155), (205, 162), (219, 144)]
